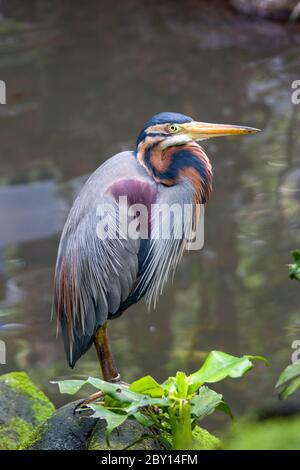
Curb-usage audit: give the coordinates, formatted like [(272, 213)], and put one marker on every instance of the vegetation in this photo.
[(23, 408), (42, 408), (294, 268), (289, 379), (172, 410)]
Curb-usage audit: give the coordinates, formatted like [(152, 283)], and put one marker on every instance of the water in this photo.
[(80, 84)]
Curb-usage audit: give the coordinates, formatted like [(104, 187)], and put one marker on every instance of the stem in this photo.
[(181, 426)]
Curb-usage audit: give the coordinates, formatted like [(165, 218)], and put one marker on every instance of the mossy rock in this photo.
[(272, 434), (22, 407), (67, 430), (130, 435), (204, 440), (64, 430)]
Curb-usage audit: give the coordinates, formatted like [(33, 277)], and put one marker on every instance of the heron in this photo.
[(98, 278)]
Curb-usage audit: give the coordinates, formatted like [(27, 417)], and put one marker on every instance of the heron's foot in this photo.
[(117, 380), (84, 404), (98, 396), (125, 384)]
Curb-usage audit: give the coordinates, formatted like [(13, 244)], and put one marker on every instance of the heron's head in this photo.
[(167, 146), (173, 129)]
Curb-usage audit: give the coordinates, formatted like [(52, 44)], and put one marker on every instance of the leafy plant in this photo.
[(173, 409), (294, 269), (289, 379)]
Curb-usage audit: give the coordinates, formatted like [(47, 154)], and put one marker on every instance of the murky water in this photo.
[(80, 84)]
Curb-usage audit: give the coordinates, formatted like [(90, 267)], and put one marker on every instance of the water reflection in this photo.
[(80, 83)]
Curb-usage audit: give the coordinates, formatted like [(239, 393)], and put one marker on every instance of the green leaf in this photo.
[(205, 403), (70, 386), (182, 384), (147, 385), (296, 255), (113, 420), (143, 419), (294, 269), (289, 389), (119, 392), (123, 394), (225, 409), (289, 380), (219, 365), (290, 372), (145, 401)]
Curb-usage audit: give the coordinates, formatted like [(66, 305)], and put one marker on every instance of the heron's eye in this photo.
[(173, 128)]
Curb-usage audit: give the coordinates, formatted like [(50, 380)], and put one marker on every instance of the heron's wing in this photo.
[(94, 275)]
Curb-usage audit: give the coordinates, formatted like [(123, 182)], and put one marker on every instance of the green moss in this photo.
[(21, 398), (14, 434), (273, 434), (33, 437), (20, 382), (204, 440)]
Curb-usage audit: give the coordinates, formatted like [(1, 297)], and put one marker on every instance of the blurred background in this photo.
[(82, 78)]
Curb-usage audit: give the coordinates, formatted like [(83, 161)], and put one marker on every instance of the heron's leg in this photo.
[(108, 367), (107, 363)]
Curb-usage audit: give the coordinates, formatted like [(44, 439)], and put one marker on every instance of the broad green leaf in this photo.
[(219, 365), (225, 409), (294, 269), (205, 403), (123, 394), (289, 380), (113, 420), (70, 386), (143, 419), (289, 389), (290, 372), (147, 385), (119, 392), (182, 384), (146, 401)]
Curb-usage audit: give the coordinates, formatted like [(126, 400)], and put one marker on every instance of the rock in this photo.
[(22, 407), (128, 433), (64, 430)]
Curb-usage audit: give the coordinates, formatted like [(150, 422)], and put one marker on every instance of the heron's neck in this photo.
[(171, 165)]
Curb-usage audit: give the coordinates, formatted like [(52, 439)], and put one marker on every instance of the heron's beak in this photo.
[(203, 130)]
